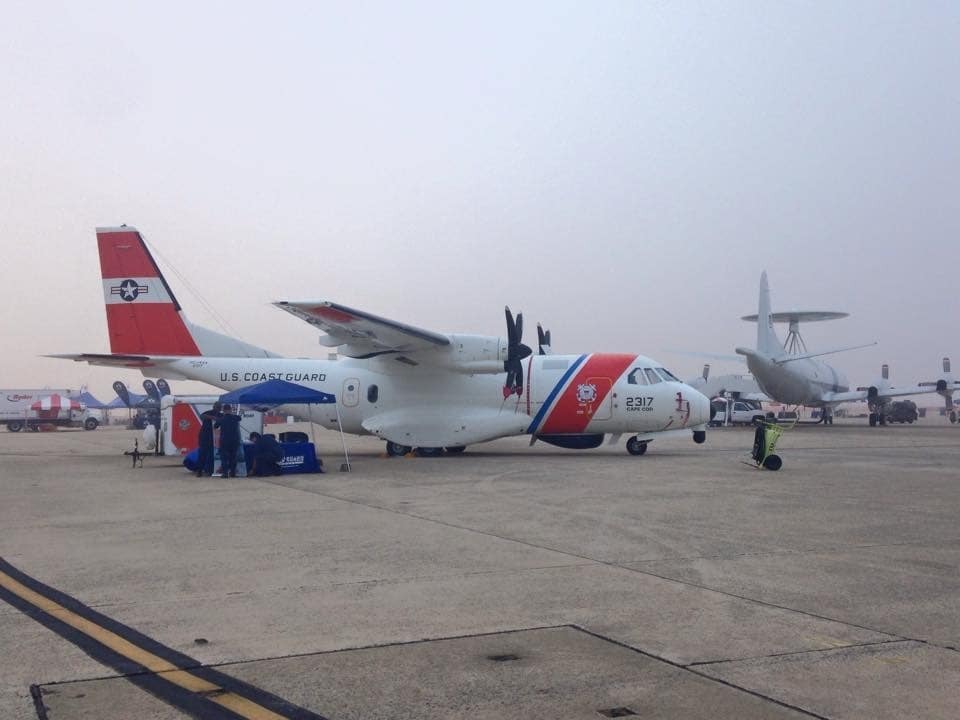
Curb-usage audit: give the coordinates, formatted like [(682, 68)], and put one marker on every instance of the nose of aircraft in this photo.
[(699, 407)]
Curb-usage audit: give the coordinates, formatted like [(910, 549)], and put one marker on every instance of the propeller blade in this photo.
[(511, 327), (543, 340)]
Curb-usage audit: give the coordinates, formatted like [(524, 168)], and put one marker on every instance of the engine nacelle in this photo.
[(471, 354)]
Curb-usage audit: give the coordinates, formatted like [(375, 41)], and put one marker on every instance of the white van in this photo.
[(742, 412)]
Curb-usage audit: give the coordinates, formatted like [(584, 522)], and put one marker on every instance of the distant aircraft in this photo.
[(414, 388), (742, 385), (791, 375)]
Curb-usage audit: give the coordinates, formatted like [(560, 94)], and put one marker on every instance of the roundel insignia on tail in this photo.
[(129, 290)]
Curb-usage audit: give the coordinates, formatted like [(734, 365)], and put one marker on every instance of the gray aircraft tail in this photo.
[(767, 341)]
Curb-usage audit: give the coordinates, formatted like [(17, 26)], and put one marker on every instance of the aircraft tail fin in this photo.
[(767, 341), (143, 315)]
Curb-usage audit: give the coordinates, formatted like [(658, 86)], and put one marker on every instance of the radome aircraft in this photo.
[(412, 387), (791, 375)]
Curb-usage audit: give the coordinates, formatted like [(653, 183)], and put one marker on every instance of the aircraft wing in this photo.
[(861, 395), (363, 334)]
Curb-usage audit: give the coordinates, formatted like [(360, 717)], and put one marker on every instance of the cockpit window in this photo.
[(652, 376), (636, 377), (667, 375)]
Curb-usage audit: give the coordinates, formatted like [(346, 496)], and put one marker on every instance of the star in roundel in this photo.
[(130, 290)]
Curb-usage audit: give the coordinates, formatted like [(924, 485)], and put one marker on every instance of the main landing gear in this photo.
[(396, 450), (636, 446)]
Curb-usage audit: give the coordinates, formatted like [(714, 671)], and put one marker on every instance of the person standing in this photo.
[(205, 439), (229, 425)]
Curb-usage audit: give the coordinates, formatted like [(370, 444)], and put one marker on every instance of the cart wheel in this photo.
[(772, 462)]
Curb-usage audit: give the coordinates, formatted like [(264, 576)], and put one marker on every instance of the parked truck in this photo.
[(33, 408)]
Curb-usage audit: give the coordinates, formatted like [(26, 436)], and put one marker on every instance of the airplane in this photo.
[(735, 385), (791, 375), (413, 388)]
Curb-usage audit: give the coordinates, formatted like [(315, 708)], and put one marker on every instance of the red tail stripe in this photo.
[(123, 255), (167, 333)]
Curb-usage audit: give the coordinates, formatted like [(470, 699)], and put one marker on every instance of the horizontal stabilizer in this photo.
[(117, 360)]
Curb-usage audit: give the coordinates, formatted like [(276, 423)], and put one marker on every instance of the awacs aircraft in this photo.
[(412, 387), (791, 375)]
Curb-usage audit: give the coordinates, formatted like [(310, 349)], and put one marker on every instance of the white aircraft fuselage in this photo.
[(563, 395)]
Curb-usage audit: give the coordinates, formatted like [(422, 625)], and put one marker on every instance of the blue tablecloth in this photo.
[(298, 457)]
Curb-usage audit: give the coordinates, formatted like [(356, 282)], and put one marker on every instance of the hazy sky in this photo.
[(621, 171)]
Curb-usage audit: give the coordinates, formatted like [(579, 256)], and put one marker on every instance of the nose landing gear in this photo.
[(636, 446)]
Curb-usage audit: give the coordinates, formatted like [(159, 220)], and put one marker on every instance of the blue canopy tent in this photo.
[(280, 392), (90, 401)]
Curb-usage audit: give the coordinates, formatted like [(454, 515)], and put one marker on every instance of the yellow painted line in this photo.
[(172, 673)]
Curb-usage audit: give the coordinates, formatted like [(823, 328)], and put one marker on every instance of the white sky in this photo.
[(621, 172)]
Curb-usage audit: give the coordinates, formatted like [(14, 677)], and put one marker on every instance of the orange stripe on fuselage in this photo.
[(569, 414)]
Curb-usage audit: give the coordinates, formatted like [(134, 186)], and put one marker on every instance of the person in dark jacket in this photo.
[(205, 439), (266, 455), (229, 425)]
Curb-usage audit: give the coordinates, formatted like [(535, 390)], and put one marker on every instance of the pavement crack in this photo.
[(702, 663)]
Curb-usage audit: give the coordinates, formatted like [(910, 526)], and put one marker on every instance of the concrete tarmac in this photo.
[(509, 582)]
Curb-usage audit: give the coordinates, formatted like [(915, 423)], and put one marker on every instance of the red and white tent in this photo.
[(57, 403)]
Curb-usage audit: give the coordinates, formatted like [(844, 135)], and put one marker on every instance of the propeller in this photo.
[(516, 351), (543, 340)]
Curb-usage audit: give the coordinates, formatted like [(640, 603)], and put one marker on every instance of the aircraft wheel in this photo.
[(455, 449), (15, 426), (882, 419), (636, 447), (873, 419), (699, 436), (773, 462), (429, 451), (396, 449), (953, 416)]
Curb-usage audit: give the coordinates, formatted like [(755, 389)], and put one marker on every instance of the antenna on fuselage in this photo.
[(794, 344)]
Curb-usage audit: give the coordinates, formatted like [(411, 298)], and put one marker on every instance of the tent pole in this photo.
[(343, 440)]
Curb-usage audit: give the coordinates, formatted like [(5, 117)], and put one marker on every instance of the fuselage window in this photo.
[(667, 375), (652, 376), (636, 377), (373, 394)]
